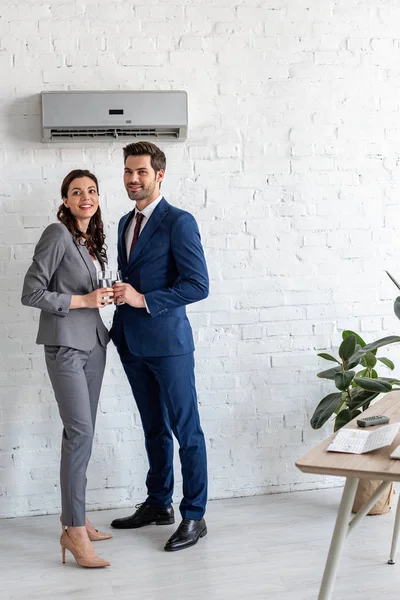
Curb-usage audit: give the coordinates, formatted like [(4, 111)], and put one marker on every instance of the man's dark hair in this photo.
[(157, 156)]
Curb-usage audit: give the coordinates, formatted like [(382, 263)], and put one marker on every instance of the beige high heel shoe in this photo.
[(91, 562), (94, 536)]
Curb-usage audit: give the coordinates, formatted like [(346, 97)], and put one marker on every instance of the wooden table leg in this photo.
[(338, 538), (395, 537)]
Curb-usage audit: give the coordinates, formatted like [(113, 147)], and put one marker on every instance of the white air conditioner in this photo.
[(92, 116)]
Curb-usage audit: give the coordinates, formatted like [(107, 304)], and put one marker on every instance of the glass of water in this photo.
[(118, 277), (107, 278)]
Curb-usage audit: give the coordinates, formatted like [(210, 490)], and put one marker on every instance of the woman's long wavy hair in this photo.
[(94, 237)]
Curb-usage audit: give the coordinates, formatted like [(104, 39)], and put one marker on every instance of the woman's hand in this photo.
[(97, 299)]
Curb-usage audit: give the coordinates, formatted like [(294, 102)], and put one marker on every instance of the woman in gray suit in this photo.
[(62, 282)]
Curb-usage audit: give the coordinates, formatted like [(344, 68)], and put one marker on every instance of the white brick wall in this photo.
[(291, 168)]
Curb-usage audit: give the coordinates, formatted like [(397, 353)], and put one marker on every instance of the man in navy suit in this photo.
[(163, 269)]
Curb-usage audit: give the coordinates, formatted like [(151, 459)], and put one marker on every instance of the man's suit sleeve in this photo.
[(49, 252), (192, 283)]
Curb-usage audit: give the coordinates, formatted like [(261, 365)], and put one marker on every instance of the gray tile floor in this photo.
[(264, 547)]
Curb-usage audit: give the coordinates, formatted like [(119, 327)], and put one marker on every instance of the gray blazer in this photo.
[(61, 268)]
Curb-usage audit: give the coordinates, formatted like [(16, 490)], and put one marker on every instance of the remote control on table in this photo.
[(369, 421)]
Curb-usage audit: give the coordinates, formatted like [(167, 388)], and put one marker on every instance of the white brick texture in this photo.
[(291, 168)]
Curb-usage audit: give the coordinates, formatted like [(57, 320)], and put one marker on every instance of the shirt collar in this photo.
[(147, 212)]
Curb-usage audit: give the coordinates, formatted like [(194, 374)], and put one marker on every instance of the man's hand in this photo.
[(124, 292)]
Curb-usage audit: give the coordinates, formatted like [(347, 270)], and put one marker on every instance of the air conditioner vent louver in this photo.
[(113, 133)]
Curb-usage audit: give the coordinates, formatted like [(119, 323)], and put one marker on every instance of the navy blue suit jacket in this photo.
[(167, 265)]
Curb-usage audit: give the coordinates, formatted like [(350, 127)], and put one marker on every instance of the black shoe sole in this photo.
[(202, 534), (170, 521)]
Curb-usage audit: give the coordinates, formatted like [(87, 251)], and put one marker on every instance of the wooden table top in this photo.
[(372, 465)]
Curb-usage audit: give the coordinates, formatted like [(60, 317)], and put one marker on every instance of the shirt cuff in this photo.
[(145, 303)]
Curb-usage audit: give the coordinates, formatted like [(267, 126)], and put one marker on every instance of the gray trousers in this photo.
[(76, 377)]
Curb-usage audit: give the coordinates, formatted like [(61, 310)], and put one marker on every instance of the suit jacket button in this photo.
[(60, 309)]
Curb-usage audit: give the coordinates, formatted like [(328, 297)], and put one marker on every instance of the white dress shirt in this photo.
[(97, 264), (146, 212)]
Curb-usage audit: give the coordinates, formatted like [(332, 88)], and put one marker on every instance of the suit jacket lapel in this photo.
[(157, 216), (83, 251), (122, 253)]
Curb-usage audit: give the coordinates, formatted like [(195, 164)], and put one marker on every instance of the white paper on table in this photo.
[(356, 441), (396, 453)]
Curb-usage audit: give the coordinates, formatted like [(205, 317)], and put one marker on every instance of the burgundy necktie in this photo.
[(136, 231)]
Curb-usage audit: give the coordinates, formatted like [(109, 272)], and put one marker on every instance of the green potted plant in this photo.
[(356, 390)]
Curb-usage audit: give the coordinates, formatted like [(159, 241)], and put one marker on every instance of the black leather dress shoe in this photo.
[(188, 534), (146, 514)]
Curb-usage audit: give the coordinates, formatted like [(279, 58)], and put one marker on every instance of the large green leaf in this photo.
[(355, 359), (370, 360), (342, 419), (373, 385), (362, 373), (328, 357), (354, 414), (391, 380), (347, 347), (391, 339), (396, 307), (361, 399), (325, 409), (344, 379), (387, 362), (359, 339), (329, 373), (341, 404)]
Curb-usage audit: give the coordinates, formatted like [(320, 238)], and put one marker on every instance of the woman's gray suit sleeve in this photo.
[(48, 255)]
